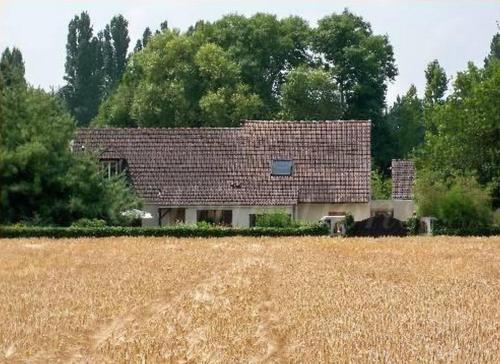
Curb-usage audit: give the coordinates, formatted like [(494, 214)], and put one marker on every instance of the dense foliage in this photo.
[(175, 231), (405, 121), (465, 133), (41, 180), (458, 202), (220, 73), (94, 64), (274, 219), (381, 186)]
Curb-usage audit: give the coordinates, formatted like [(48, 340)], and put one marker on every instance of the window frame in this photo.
[(112, 167), (223, 217), (273, 172)]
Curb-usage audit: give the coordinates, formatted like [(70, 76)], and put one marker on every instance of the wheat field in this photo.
[(257, 300)]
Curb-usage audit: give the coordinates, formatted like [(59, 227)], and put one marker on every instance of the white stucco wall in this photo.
[(404, 209), (312, 212), (241, 214)]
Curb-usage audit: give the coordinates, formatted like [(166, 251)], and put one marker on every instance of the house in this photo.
[(229, 175)]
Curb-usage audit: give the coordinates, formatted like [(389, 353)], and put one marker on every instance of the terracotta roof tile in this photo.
[(403, 176), (231, 166)]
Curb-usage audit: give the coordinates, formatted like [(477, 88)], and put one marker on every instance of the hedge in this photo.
[(477, 231), (174, 231)]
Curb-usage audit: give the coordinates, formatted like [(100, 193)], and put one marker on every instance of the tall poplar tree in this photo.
[(115, 42), (436, 83), (82, 91), (12, 67)]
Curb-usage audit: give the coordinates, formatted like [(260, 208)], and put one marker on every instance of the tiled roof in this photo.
[(403, 176), (231, 166)]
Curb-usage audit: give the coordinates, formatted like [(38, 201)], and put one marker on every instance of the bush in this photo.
[(88, 223), (440, 229), (381, 187), (274, 219), (412, 225), (461, 204), (173, 231), (349, 225)]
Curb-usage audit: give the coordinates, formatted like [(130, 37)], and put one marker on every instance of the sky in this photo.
[(454, 32)]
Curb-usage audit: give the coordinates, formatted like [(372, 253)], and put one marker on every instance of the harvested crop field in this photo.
[(250, 300)]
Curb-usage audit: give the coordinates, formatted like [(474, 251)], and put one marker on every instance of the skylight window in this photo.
[(281, 167)]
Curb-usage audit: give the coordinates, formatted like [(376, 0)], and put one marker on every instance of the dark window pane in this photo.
[(281, 167), (252, 220), (217, 217), (227, 217)]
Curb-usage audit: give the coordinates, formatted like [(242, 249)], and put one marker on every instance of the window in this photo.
[(281, 167), (217, 217), (111, 167), (171, 216)]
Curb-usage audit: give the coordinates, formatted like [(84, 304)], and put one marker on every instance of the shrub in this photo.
[(461, 204), (173, 231), (88, 223), (381, 186), (412, 225), (440, 229), (349, 225), (274, 219)]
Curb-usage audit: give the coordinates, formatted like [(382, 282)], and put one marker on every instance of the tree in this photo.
[(436, 83), (179, 81), (114, 43), (494, 48), (362, 63), (82, 91), (12, 67), (460, 202), (121, 40), (264, 47), (146, 36), (140, 44), (381, 186), (464, 139), (405, 120), (310, 94), (41, 180)]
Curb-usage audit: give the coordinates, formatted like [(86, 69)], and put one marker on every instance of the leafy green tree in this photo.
[(121, 40), (362, 63), (82, 91), (146, 36), (464, 139), (494, 48), (138, 46), (41, 180), (406, 122), (114, 43), (12, 67), (310, 94), (436, 83), (178, 80), (458, 203), (381, 186), (141, 43), (264, 47)]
